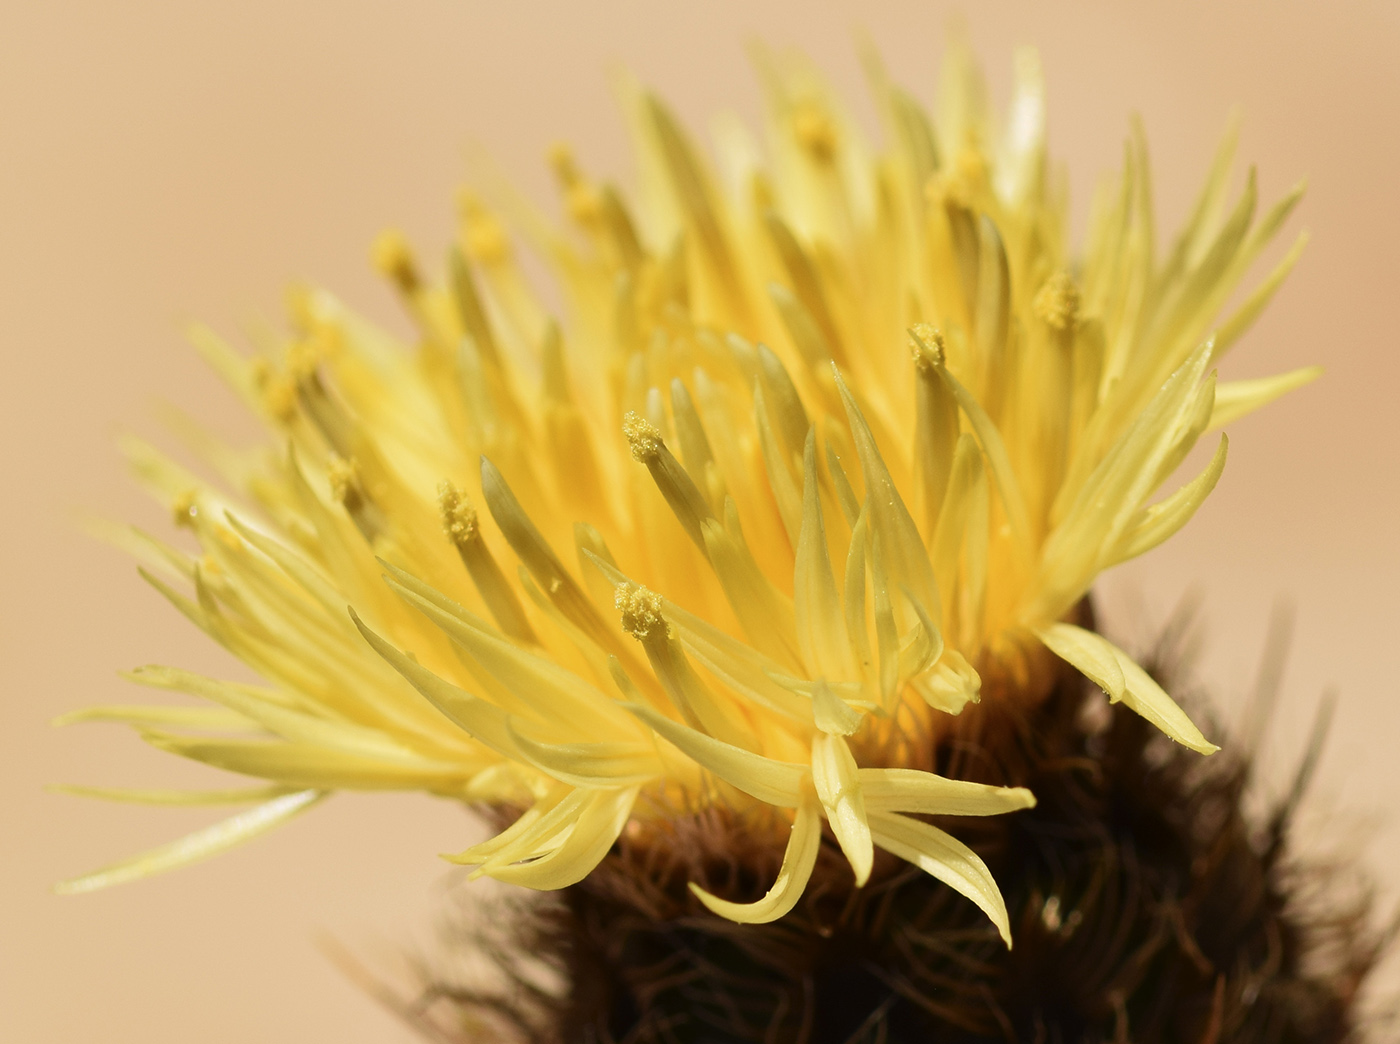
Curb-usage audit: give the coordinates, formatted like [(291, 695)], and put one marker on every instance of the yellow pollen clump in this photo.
[(280, 397), (303, 357), (583, 201), (1057, 303), (641, 611), (326, 340), (185, 509), (483, 238), (643, 437), (393, 257), (926, 346), (815, 130), (561, 161), (459, 519), (344, 477), (969, 177), (301, 306)]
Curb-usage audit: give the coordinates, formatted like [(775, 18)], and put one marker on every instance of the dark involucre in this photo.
[(1145, 906)]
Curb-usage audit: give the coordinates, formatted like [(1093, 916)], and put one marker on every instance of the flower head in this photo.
[(828, 447)]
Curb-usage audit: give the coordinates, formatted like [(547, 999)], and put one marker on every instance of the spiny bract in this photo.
[(830, 446)]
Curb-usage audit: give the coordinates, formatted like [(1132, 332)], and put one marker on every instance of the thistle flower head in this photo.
[(827, 446)]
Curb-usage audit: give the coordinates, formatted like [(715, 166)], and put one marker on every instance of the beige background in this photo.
[(166, 160)]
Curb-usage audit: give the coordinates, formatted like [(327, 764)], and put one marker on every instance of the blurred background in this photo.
[(161, 161)]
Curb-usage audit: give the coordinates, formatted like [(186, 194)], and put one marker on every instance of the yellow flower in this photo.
[(829, 446)]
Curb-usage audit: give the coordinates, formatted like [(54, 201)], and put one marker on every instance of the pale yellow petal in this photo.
[(599, 823), (950, 685), (999, 463), (1094, 657), (798, 860), (831, 713), (589, 764), (1164, 519), (214, 719), (307, 765), (202, 844), (481, 720), (911, 790), (549, 815), (551, 690), (141, 796), (1233, 328), (837, 781), (821, 629), (946, 858), (1236, 399), (775, 782), (1150, 700), (1120, 676), (269, 713), (889, 517)]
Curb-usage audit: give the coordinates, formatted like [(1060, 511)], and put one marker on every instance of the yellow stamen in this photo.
[(643, 438), (459, 519), (584, 203), (460, 523), (815, 130), (393, 258), (641, 612), (1057, 303), (184, 509), (483, 237)]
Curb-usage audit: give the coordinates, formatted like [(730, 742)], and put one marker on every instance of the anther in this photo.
[(393, 257), (815, 130), (460, 523), (185, 509), (348, 488), (561, 161), (300, 309), (344, 477), (326, 339), (643, 437), (482, 235), (641, 611), (968, 180), (683, 496), (1057, 303), (926, 346), (280, 396), (459, 519), (303, 356), (582, 199)]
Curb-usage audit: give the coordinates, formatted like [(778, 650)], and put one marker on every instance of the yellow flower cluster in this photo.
[(832, 442)]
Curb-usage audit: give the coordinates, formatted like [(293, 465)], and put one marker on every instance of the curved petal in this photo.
[(775, 782), (946, 858), (793, 875), (599, 823), (200, 845), (1117, 674)]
